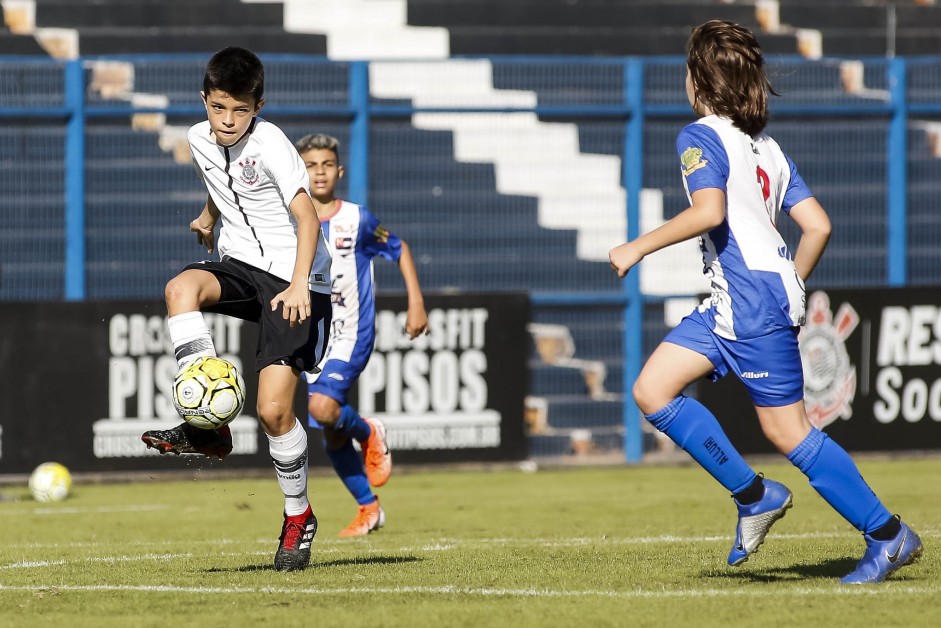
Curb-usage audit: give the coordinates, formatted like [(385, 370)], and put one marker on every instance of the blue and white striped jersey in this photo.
[(755, 286), (355, 237)]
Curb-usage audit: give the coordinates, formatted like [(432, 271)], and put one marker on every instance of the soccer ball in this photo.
[(209, 393), (50, 482)]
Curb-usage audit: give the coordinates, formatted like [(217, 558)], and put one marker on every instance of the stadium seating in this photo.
[(864, 28), (150, 26), (32, 249), (563, 27), (480, 27)]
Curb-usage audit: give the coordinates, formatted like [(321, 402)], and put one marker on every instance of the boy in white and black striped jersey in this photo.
[(274, 270)]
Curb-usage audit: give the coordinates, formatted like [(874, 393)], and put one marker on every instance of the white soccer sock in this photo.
[(289, 454), (190, 337)]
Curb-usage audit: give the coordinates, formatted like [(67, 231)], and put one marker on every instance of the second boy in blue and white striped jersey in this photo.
[(355, 237)]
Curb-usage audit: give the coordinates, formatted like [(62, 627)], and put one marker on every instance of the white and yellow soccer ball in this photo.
[(209, 393), (50, 482)]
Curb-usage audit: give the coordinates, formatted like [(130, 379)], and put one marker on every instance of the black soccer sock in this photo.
[(888, 531), (754, 492)]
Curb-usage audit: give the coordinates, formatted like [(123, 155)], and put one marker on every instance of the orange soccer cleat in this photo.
[(370, 518), (376, 454)]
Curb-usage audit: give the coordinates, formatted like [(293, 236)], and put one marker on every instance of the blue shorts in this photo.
[(335, 379), (769, 365)]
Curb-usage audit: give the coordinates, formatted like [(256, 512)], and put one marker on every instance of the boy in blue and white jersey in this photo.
[(355, 237), (739, 181)]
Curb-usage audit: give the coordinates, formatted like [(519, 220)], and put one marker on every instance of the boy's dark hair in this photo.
[(728, 73), (235, 71), (318, 141)]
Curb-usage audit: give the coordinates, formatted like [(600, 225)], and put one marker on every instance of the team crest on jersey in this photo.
[(381, 234), (692, 160), (249, 172), (829, 377)]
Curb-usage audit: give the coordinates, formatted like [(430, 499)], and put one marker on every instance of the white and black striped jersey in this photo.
[(253, 183)]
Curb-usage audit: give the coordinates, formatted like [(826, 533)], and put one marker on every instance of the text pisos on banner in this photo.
[(432, 392)]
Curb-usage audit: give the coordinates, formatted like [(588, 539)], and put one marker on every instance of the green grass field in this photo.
[(588, 547)]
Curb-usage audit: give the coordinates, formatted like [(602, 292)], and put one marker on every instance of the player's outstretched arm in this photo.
[(706, 213), (205, 223), (296, 297), (815, 227), (416, 319)]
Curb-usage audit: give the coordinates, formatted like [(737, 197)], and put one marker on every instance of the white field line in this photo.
[(449, 590), (83, 510), (447, 544), (335, 547)]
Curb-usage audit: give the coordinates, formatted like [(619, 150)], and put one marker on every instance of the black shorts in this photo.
[(247, 293)]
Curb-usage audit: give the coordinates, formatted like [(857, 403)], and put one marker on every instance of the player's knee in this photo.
[(646, 396), (175, 291), (324, 409), (783, 439), (274, 414)]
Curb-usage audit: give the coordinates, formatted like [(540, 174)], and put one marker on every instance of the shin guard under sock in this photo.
[(693, 427), (834, 475)]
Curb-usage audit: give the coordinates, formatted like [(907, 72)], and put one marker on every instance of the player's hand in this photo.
[(296, 304), (624, 257), (416, 322), (204, 235)]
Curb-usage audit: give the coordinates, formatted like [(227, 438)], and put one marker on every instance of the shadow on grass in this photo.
[(832, 568), (314, 564)]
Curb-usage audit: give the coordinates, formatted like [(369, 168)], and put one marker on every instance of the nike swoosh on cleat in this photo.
[(894, 556)]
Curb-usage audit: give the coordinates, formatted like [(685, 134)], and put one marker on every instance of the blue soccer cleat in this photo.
[(884, 557), (754, 520)]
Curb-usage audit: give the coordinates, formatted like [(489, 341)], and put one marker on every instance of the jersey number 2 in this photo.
[(765, 182)]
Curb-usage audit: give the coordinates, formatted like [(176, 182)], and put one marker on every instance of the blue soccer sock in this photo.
[(691, 426), (352, 425), (834, 475), (349, 466)]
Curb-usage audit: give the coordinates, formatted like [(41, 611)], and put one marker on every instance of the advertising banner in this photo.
[(81, 382), (872, 373)]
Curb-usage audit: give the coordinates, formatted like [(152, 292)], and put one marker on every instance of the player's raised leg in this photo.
[(185, 294)]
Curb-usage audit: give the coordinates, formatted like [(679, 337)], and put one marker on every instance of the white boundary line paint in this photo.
[(336, 547), (74, 510), (449, 590), (448, 544)]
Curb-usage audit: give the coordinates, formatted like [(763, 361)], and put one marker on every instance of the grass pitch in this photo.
[(589, 547)]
